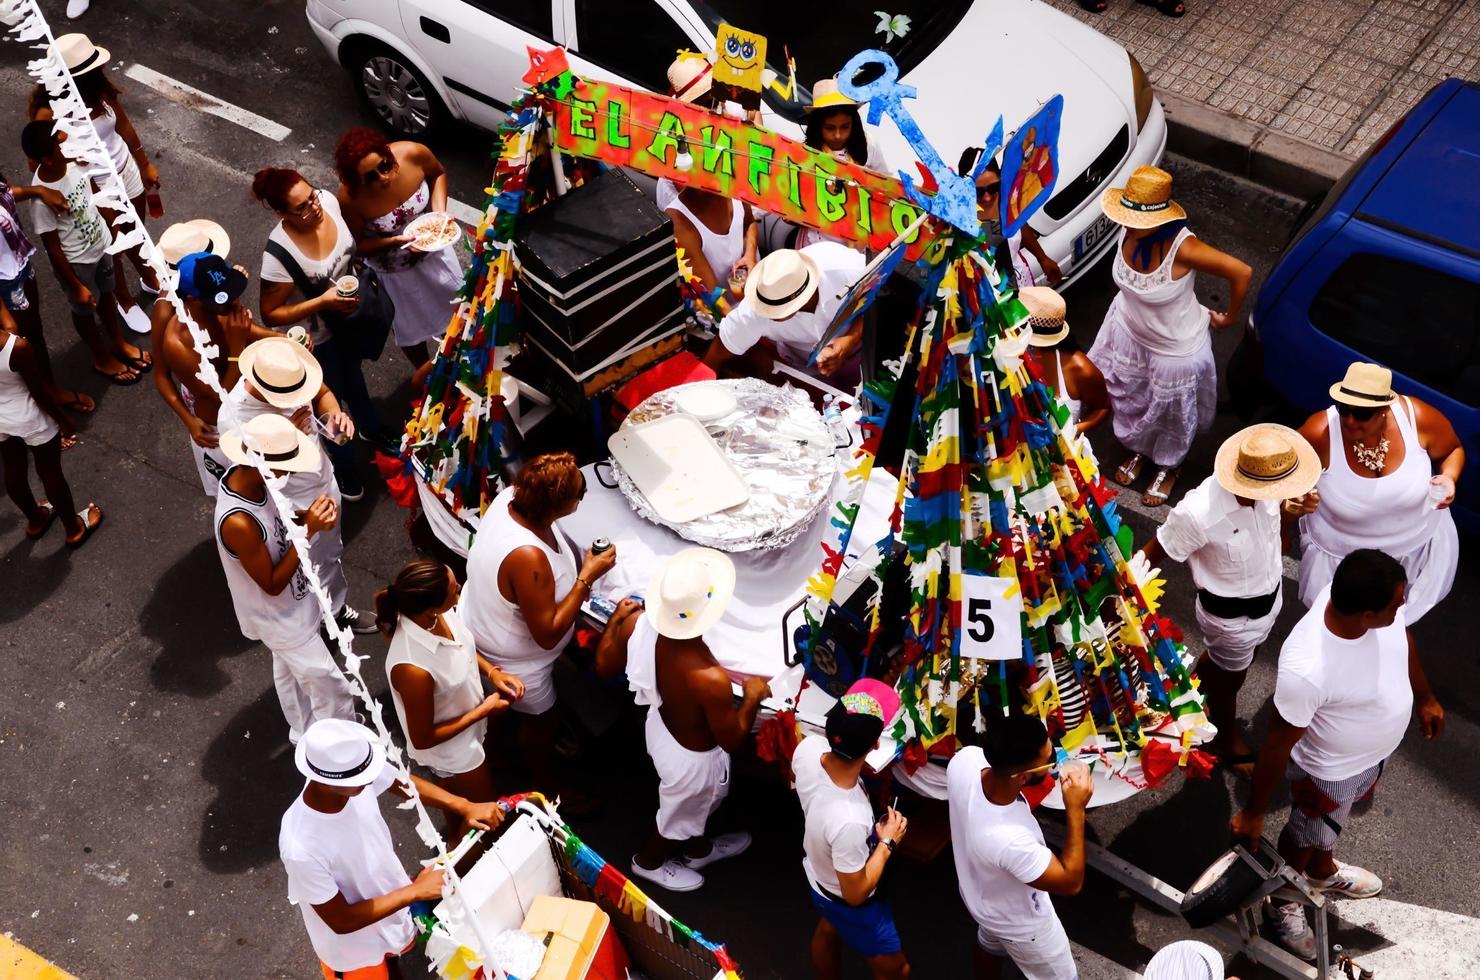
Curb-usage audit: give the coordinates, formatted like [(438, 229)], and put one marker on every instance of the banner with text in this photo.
[(785, 177)]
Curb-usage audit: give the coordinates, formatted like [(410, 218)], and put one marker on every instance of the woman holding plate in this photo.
[(384, 188)]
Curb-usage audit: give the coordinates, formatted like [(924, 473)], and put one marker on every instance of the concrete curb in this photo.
[(1247, 149)]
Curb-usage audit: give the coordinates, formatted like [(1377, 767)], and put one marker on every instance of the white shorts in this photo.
[(1045, 956), (691, 785), (539, 686), (1231, 642)]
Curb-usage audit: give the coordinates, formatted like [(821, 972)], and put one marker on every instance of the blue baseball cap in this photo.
[(208, 277)]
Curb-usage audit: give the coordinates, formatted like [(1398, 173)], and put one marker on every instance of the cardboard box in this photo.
[(580, 942)]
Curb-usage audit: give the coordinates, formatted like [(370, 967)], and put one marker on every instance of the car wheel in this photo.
[(398, 94), (1223, 887)]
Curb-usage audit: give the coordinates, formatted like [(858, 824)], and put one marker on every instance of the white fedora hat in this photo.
[(188, 237), (781, 283), (283, 372), (690, 592), (277, 440), (339, 753), (79, 54)]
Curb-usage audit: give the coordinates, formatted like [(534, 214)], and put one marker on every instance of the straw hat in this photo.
[(1046, 310), (690, 592), (825, 95), (1267, 462), (690, 76), (781, 283), (283, 372), (276, 439), (186, 237), (80, 55), (1187, 959), (1144, 202), (339, 753), (1365, 385)]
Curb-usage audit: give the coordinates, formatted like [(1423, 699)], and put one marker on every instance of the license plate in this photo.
[(1093, 236)]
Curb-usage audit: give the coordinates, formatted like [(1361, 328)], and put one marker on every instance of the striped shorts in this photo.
[(1319, 808)]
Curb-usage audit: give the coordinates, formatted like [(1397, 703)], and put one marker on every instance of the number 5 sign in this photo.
[(991, 622)]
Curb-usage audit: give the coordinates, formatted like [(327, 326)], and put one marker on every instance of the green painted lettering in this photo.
[(666, 139), (581, 114), (865, 211), (616, 133), (719, 152), (794, 184), (760, 168), (832, 196), (901, 215)]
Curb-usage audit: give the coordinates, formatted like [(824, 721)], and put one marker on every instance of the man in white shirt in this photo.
[(844, 850), (790, 299), (1003, 868), (343, 872), (1229, 532), (1349, 679)]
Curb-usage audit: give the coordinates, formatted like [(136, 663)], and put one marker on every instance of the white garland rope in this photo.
[(29, 26)]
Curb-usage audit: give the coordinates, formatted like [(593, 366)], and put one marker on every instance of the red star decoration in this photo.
[(545, 65)]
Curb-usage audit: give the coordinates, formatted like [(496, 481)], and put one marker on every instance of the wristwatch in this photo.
[(887, 842)]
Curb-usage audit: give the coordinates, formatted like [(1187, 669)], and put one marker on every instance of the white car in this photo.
[(419, 63)]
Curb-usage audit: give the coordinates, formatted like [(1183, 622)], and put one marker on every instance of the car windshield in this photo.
[(821, 45)]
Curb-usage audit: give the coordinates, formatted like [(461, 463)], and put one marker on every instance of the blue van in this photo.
[(1387, 269)]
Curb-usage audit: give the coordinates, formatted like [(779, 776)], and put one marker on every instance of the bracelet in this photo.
[(584, 582), (887, 842)]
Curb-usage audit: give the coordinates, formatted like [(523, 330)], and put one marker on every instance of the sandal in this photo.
[(1130, 471), (1168, 8), (33, 531), (1155, 495), (88, 525), (79, 403), (123, 378), (142, 363), (69, 441)]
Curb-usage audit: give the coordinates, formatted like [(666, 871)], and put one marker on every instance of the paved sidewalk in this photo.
[(1331, 73)]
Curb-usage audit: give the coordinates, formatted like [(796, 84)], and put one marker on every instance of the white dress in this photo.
[(421, 284), (1157, 358), (123, 161), (1062, 390), (20, 417), (1391, 513)]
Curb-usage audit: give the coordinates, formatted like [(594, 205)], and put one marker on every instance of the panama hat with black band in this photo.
[(336, 752), (1365, 386), (199, 235), (284, 374), (274, 440), (1144, 202), (80, 55), (781, 284), (1046, 315)]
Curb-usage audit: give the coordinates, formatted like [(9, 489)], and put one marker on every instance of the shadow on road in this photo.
[(251, 766), (189, 614)]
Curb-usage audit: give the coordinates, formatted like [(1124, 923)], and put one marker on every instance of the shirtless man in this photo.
[(693, 723)]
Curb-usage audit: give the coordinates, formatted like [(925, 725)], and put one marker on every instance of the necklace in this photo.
[(1372, 457)]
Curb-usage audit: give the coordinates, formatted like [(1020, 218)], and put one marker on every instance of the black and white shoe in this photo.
[(349, 618)]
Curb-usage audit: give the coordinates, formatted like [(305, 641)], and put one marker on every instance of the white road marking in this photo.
[(465, 213), (1425, 942), (194, 98)]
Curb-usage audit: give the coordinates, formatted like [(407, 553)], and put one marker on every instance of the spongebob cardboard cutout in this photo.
[(739, 58)]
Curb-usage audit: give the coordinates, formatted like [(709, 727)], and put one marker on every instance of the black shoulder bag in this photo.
[(362, 332)]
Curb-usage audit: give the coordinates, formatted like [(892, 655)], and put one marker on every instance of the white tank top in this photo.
[(720, 251), (106, 123), (1161, 312), (1391, 513), (642, 662), (287, 619), (1063, 389), (240, 407), (456, 688), (496, 623), (20, 416)]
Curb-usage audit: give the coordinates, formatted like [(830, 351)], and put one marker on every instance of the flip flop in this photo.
[(1127, 473), (80, 403), (88, 526), (143, 363), (32, 531), (69, 441), (1155, 496), (120, 377)]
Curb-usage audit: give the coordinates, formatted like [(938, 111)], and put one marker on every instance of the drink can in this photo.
[(600, 545)]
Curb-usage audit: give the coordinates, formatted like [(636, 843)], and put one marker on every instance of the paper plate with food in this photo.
[(433, 232)]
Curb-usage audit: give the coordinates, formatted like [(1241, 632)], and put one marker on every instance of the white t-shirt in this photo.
[(82, 231), (348, 853), (326, 270), (838, 820), (1232, 550), (998, 851), (1352, 697), (838, 268)]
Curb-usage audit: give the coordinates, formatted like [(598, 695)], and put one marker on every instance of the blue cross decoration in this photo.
[(955, 201)]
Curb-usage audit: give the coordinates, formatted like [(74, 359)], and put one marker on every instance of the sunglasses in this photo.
[(384, 168), (1356, 413), (988, 190)]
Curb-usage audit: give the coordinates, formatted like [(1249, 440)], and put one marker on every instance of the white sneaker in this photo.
[(721, 847), (1349, 881), (672, 874), (1291, 929), (135, 318), (76, 8)]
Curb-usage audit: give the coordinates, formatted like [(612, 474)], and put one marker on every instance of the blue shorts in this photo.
[(868, 928), (13, 291)]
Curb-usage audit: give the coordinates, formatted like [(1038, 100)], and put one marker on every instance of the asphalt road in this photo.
[(143, 757)]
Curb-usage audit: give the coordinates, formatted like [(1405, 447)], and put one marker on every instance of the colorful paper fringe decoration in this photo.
[(996, 482)]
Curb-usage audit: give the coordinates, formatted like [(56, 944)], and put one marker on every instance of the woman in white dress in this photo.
[(1391, 464), (1074, 377), (1154, 347), (436, 676), (384, 187)]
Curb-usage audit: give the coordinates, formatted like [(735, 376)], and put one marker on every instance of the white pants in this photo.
[(1231, 642), (326, 549), (1044, 956), (310, 686), (691, 785), (210, 465)]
